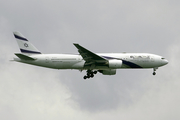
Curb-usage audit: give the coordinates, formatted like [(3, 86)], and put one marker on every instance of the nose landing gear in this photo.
[(90, 74), (154, 71)]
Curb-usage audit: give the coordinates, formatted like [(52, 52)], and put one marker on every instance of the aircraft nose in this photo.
[(165, 62)]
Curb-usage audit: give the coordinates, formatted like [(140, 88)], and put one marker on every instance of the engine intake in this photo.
[(113, 64)]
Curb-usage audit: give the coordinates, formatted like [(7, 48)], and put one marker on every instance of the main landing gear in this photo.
[(154, 71), (90, 74)]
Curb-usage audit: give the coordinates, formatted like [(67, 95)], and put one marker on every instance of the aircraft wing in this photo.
[(89, 57)]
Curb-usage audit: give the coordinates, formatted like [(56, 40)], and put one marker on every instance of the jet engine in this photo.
[(108, 72), (113, 64)]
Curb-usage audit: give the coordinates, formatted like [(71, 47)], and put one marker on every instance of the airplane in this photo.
[(105, 63)]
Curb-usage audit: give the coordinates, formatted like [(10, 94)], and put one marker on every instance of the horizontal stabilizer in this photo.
[(24, 57)]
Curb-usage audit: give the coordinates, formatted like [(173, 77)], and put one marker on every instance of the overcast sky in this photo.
[(29, 92)]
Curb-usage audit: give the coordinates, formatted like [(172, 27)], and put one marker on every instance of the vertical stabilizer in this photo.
[(24, 45)]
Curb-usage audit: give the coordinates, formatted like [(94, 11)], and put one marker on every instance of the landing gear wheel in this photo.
[(85, 77), (90, 74), (154, 71), (95, 72)]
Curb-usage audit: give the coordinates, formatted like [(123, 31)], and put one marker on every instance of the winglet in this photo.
[(76, 44)]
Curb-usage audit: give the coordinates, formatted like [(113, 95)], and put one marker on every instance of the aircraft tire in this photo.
[(95, 72), (92, 75), (85, 77)]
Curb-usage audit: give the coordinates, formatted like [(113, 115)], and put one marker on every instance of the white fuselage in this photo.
[(75, 61), (105, 63)]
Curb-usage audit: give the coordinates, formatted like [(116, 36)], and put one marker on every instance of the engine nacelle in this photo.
[(113, 64), (108, 72)]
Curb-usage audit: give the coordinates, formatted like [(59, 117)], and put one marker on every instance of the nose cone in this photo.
[(165, 62)]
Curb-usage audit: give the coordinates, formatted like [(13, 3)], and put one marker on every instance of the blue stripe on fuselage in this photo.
[(130, 64)]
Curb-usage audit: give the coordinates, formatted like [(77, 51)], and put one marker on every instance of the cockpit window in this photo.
[(162, 58)]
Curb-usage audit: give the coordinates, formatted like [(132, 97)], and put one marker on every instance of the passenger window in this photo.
[(131, 57)]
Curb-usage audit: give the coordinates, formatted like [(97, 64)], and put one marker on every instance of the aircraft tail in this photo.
[(24, 45)]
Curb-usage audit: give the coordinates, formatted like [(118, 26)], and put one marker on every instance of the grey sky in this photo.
[(30, 92)]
